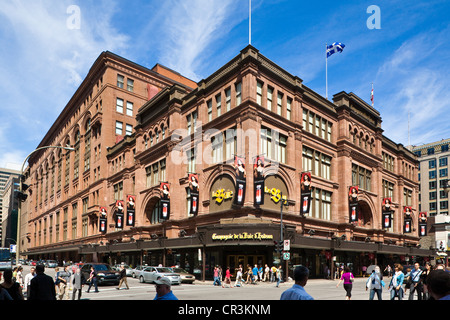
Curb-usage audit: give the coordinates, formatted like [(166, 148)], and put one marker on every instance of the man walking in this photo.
[(416, 282), (28, 279), (64, 278), (78, 282), (42, 286), (123, 278)]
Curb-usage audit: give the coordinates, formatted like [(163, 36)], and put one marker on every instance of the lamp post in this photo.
[(21, 199)]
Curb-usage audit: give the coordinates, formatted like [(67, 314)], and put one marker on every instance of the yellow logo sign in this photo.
[(221, 195), (242, 236), (276, 194)]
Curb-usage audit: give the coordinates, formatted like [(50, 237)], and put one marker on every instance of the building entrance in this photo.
[(233, 261)]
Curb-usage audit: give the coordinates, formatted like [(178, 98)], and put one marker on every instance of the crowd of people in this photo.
[(251, 275)]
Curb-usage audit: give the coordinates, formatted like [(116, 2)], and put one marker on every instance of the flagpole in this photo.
[(249, 21), (326, 72)]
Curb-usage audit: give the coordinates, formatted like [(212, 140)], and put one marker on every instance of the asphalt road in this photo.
[(319, 289)]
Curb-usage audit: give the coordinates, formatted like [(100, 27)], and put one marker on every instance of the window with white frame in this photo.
[(129, 108), (119, 105), (119, 127)]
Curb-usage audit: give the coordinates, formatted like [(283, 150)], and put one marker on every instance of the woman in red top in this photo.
[(348, 278), (227, 278)]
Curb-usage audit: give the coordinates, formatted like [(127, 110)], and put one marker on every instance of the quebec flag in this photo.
[(335, 47)]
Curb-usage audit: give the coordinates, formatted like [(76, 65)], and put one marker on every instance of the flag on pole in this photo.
[(335, 47), (371, 95)]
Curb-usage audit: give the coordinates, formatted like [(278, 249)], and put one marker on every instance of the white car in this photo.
[(150, 274)]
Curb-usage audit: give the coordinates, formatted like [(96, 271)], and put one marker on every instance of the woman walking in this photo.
[(396, 283), (348, 279)]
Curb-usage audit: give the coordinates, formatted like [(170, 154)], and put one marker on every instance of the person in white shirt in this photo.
[(28, 278)]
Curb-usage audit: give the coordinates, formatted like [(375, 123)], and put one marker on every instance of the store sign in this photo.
[(242, 236), (275, 193), (220, 195)]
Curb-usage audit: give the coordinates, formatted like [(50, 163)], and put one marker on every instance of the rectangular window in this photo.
[(432, 174), (217, 148), (119, 105), (230, 144), (443, 162), (288, 108), (269, 98), (219, 105), (259, 87), (321, 204), (209, 104), (128, 130), (238, 88), (279, 103), (361, 177), (432, 164), (118, 191), (120, 81), (228, 99), (119, 127), (443, 172), (129, 108), (191, 161), (130, 85)]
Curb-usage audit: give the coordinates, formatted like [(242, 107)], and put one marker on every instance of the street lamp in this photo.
[(22, 187)]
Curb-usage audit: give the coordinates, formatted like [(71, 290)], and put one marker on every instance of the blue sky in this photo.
[(44, 56)]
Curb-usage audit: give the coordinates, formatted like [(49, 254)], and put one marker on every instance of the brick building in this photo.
[(250, 109)]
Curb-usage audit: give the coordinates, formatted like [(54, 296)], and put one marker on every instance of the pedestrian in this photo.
[(407, 280), (19, 276), (348, 279), (28, 279), (423, 279), (297, 291), (227, 278), (13, 287), (216, 276), (92, 280), (375, 284), (78, 282), (273, 274), (260, 273), (388, 270), (4, 295), (438, 284), (364, 270), (123, 278), (416, 283), (279, 271), (42, 286), (395, 287), (239, 277), (64, 280), (266, 273), (249, 274), (163, 291), (255, 274)]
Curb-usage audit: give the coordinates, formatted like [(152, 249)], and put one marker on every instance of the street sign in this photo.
[(287, 245), (12, 248), (286, 255)]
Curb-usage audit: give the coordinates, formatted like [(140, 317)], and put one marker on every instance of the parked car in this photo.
[(105, 274), (118, 268), (186, 277), (51, 263), (150, 274), (137, 271)]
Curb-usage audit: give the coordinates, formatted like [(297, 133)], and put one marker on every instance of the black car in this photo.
[(105, 274)]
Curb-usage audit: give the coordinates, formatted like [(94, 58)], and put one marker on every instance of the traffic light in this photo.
[(278, 246), (21, 196)]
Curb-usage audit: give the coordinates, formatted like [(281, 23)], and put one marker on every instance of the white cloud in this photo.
[(191, 27), (44, 62), (414, 80)]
